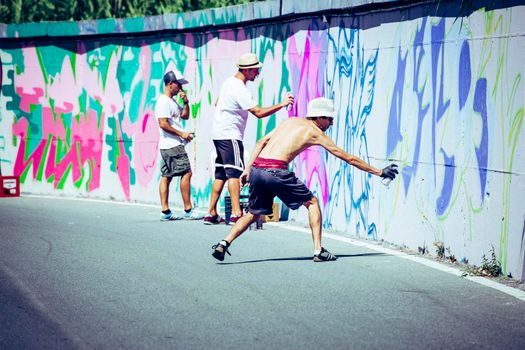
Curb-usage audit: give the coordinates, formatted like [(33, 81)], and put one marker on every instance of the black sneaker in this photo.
[(324, 255), (220, 249)]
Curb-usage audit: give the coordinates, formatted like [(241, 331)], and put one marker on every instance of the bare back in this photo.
[(290, 138)]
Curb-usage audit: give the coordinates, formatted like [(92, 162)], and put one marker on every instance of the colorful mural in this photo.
[(443, 97)]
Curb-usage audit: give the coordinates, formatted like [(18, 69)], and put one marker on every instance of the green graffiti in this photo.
[(64, 178)]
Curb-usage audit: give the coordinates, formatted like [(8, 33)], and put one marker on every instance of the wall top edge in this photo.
[(215, 17)]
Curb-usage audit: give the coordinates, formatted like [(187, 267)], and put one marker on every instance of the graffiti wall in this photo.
[(441, 95)]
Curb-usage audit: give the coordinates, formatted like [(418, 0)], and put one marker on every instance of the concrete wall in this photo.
[(436, 88)]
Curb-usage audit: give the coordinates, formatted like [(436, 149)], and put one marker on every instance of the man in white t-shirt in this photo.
[(173, 138), (229, 122)]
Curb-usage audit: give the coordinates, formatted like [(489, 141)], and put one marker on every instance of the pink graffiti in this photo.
[(29, 99), (21, 163), (145, 130), (64, 89), (69, 138), (307, 74), (123, 166), (30, 87), (146, 148), (85, 147)]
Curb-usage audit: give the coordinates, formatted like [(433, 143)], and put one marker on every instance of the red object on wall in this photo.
[(9, 186)]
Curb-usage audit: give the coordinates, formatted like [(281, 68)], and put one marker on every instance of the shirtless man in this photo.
[(268, 175)]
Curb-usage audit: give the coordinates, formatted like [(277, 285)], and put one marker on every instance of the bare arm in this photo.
[(185, 114), (330, 146), (261, 112), (259, 146), (165, 125)]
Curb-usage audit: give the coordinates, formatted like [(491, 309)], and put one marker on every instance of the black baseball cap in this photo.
[(174, 76)]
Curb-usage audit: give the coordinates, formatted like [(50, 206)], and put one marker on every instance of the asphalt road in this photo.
[(80, 274)]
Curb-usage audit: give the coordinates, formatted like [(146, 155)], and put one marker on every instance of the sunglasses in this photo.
[(326, 117)]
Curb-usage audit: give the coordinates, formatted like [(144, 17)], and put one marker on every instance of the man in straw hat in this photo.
[(173, 138), (229, 122), (268, 175)]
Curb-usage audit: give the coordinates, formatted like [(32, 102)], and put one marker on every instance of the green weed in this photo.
[(490, 267)]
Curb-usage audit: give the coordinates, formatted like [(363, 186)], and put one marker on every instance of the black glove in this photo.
[(389, 172)]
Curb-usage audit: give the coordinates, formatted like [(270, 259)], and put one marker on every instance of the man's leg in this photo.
[(240, 226), (216, 190), (238, 229), (185, 189), (315, 217), (220, 177), (234, 187), (164, 187)]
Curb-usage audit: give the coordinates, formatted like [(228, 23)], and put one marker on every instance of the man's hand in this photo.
[(188, 136), (244, 178), (389, 172), (183, 96), (288, 100)]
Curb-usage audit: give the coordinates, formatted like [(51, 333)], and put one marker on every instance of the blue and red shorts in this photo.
[(270, 178)]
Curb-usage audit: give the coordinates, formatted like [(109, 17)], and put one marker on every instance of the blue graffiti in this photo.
[(439, 107), (443, 200), (438, 56), (464, 76), (409, 171), (480, 106), (354, 76), (394, 117)]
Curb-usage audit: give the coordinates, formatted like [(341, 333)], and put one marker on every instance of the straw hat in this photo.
[(248, 60), (174, 75), (320, 107)]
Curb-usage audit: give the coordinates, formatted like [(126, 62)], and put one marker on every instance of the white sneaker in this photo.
[(193, 215), (171, 216)]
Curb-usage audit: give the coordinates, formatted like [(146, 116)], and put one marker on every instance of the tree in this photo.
[(20, 11)]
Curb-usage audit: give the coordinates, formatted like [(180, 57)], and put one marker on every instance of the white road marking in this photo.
[(515, 292)]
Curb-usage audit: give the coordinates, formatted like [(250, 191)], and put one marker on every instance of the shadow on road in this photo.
[(299, 258)]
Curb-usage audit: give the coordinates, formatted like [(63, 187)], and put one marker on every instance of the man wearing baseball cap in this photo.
[(268, 175), (229, 122), (173, 138)]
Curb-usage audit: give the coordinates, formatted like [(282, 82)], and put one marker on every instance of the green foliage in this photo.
[(65, 10), (489, 267), (20, 11), (5, 13), (440, 249), (102, 9), (444, 253)]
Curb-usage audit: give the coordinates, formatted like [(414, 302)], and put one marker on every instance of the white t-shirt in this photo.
[(231, 112), (168, 108)]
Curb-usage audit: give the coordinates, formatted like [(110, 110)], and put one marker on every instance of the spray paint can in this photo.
[(289, 107)]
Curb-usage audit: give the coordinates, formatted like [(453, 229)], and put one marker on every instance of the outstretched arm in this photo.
[(330, 146), (262, 112)]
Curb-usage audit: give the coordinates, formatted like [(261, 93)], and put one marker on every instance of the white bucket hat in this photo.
[(320, 107), (248, 60), (174, 75)]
